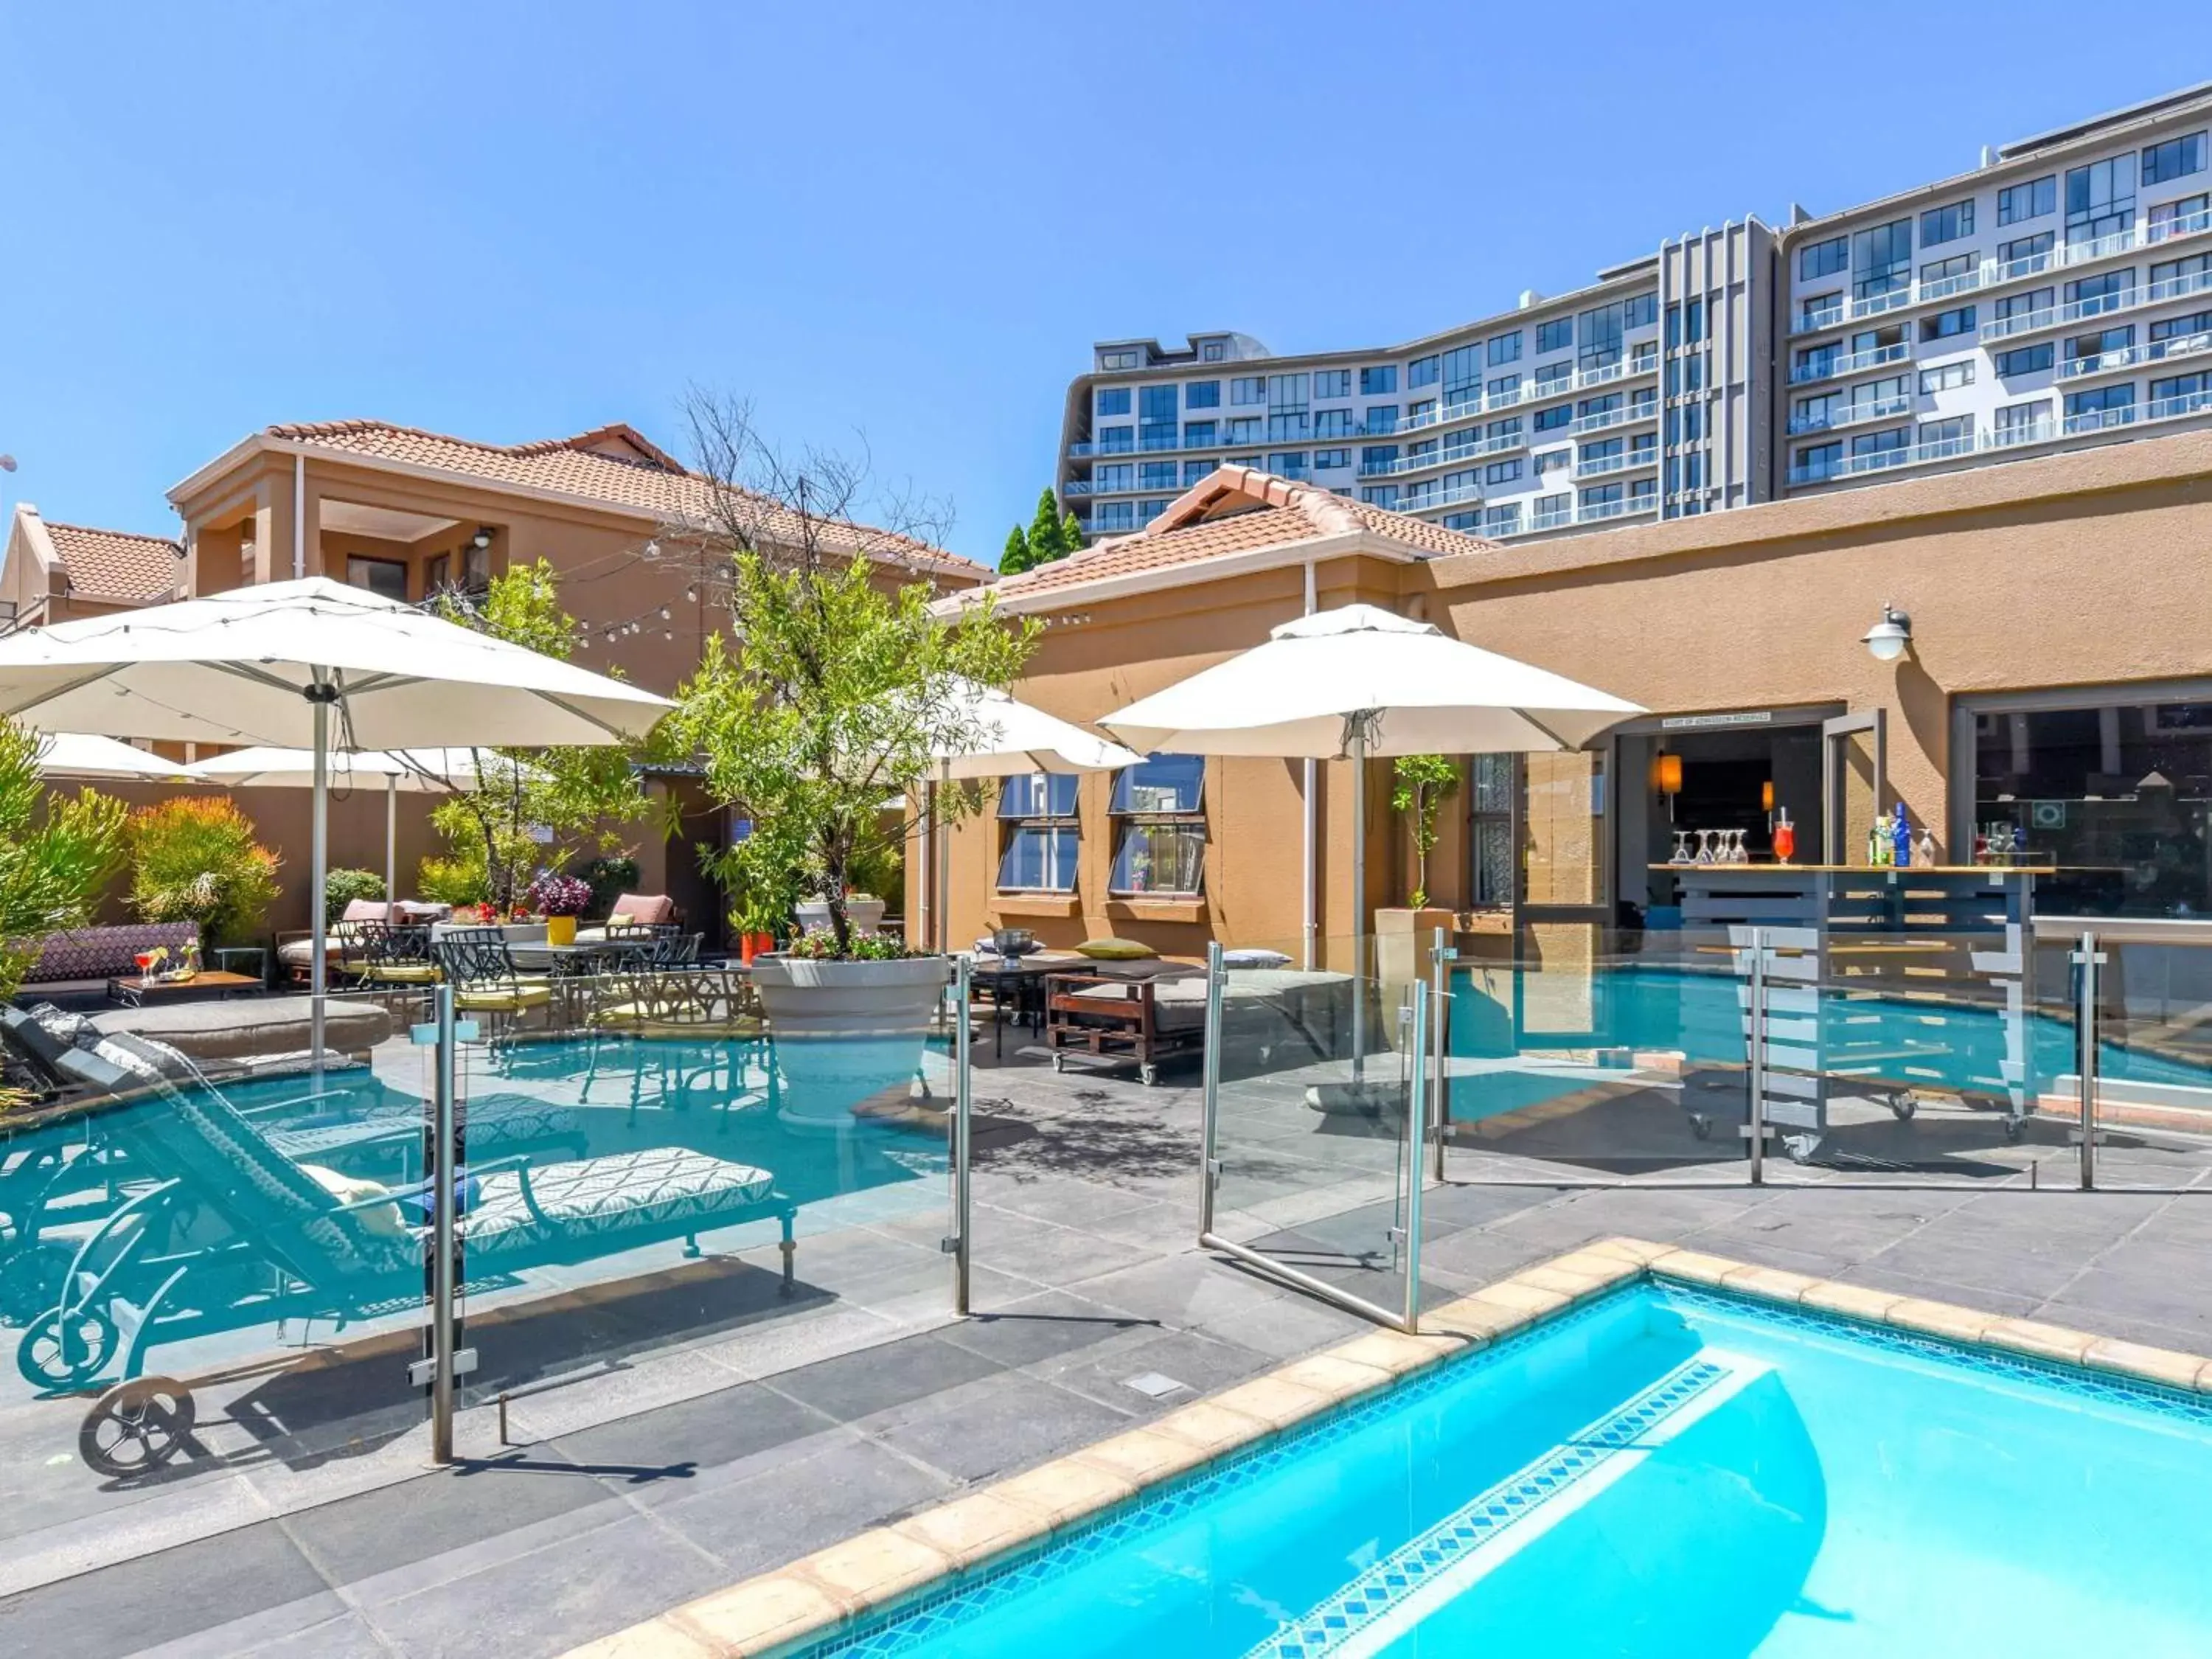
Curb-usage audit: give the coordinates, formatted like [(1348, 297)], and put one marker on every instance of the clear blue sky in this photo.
[(899, 222)]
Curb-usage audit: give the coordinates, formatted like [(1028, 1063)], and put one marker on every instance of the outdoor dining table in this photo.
[(1015, 984)]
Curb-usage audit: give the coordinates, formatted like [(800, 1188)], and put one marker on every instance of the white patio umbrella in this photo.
[(1359, 682), (434, 771), (1007, 739), (85, 755), (269, 664)]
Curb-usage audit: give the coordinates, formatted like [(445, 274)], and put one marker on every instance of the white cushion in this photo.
[(347, 1189)]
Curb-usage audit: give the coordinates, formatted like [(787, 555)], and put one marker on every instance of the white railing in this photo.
[(1872, 358), (1425, 500), (1598, 465), (1593, 513), (1529, 392), (2188, 405), (1965, 282), (1444, 456), (2099, 420), (2101, 305), (1851, 414), (1648, 411)]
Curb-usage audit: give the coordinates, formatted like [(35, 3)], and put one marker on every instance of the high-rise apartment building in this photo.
[(2055, 296)]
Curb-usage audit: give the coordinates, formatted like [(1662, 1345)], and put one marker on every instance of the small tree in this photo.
[(831, 693), (1048, 542), (1420, 784), (194, 858), (1071, 532), (529, 808), (57, 852), (1016, 557)]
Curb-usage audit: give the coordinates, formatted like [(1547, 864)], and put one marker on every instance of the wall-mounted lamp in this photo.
[(1766, 796), (1890, 638), (482, 538), (1667, 773)]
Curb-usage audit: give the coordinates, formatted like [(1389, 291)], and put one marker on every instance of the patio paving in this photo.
[(632, 1490)]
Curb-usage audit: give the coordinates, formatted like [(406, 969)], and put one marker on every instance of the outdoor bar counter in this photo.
[(1880, 981)]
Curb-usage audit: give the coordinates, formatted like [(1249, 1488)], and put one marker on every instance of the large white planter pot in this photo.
[(845, 1030), (866, 915)]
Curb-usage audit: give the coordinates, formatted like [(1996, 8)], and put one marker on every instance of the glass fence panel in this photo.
[(1580, 1055), (211, 1265), (675, 1172), (1913, 1052), (1314, 1109), (2153, 1091)]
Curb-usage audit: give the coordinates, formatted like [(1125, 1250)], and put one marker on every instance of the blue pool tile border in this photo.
[(2082, 1381)]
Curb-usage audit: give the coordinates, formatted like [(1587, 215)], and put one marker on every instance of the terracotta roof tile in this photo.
[(590, 465), (1236, 509), (116, 563)]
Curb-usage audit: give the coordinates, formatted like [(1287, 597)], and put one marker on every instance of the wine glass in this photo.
[(1705, 847), (1682, 847)]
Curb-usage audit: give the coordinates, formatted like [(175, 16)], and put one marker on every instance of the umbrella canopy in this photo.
[(1013, 737), (275, 663), (83, 754), (1423, 692)]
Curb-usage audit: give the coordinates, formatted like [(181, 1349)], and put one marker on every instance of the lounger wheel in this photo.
[(1903, 1103), (137, 1427), (1701, 1125), (33, 1277), (65, 1349), (1059, 1062), (2013, 1127), (1148, 1074)]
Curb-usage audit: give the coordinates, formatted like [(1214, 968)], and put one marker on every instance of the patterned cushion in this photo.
[(661, 1187), (493, 1121), (107, 953)]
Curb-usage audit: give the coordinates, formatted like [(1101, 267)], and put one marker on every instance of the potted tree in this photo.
[(1419, 784), (831, 696)]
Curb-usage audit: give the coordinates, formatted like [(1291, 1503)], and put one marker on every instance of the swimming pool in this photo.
[(1664, 1472)]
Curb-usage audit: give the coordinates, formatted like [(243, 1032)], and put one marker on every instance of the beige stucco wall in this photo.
[(2069, 570)]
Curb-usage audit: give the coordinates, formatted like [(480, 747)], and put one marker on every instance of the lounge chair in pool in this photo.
[(228, 1233)]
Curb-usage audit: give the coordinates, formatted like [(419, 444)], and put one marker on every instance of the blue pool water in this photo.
[(1666, 1472)]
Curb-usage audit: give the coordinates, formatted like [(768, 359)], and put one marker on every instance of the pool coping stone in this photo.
[(862, 1578)]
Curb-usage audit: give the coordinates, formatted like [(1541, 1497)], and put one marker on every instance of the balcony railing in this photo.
[(1598, 465), (1529, 392), (2154, 351), (1426, 501), (2101, 305), (1828, 369), (1850, 414), (1444, 457), (1647, 410), (1562, 518), (1992, 273), (2189, 405)]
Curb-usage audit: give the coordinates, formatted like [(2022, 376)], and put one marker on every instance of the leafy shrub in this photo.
[(194, 858), (820, 944), (342, 887), (555, 895), (456, 881), (57, 852), (610, 878)]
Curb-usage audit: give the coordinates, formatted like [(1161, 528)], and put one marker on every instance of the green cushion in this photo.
[(1116, 949)]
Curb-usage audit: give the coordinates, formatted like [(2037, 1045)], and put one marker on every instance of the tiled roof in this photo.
[(116, 563), (593, 466), (1237, 509)]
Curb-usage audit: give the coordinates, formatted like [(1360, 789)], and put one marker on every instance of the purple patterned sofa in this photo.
[(86, 958)]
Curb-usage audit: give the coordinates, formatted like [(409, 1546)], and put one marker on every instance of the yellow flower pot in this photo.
[(560, 930)]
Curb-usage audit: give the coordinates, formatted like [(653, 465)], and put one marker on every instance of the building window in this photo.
[(1553, 460), (2177, 158), (1643, 311), (1462, 373), (1249, 389), (1954, 436), (1499, 473), (1551, 420), (1243, 429), (1598, 329), (1155, 416), (2027, 304), (1880, 448), (1289, 464), (1490, 802), (1504, 519), (1553, 511), (385, 577), (1504, 389), (1948, 377), (1599, 495), (2030, 253), (2090, 349), (2098, 295), (2021, 423), (1198, 435), (1425, 409), (1156, 475), (1504, 431), (2182, 328), (1938, 271), (1116, 439), (2100, 199), (1948, 223), (2105, 405), (1195, 472), (1819, 461), (2029, 201), (1328, 461), (2172, 278), (1379, 381), (1114, 400), (1117, 360), (1211, 352), (1558, 335), (1892, 392), (1462, 520), (2026, 359), (2180, 394), (1504, 349), (2177, 217), (1554, 377), (1379, 420), (1202, 394), (1159, 826), (1818, 259), (1039, 834), (2114, 796), (1379, 495), (1334, 423), (1881, 259), (1948, 324), (1331, 383), (1422, 371)]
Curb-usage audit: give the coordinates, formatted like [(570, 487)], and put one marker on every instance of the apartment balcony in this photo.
[(2193, 405), (1992, 273), (1628, 461), (2154, 351), (2102, 305), (1428, 500), (1853, 413), (1858, 362), (1626, 414), (1566, 518), (1444, 456), (1156, 443), (1531, 392)]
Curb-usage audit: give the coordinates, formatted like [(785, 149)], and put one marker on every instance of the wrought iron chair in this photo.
[(484, 977)]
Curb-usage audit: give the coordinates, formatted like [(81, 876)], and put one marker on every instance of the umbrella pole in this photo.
[(1358, 899), (319, 858), (390, 845), (939, 858)]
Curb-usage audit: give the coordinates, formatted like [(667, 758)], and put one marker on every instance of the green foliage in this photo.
[(1420, 784), (820, 944), (610, 877), (1016, 557), (830, 702), (457, 880), (529, 809), (57, 852), (1047, 541), (194, 858), (342, 887), (1070, 533)]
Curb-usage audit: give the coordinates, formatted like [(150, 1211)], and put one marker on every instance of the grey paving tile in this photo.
[(169, 1595), (1955, 1256), (1202, 1363), (1879, 1276), (1029, 1420), (668, 1443), (1049, 1322), (303, 1627), (2162, 1282), (896, 1374), (755, 1524), (374, 1532)]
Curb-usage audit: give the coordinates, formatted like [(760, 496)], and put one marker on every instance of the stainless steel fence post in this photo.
[(2088, 959), (442, 1276), (962, 1099), (1442, 955), (1416, 1160), (1755, 1058), (1209, 1165)]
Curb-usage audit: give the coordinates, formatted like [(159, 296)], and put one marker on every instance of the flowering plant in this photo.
[(820, 944), (556, 894)]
